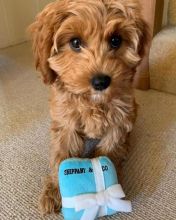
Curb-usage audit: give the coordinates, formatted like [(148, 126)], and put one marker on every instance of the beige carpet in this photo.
[(163, 61), (150, 171)]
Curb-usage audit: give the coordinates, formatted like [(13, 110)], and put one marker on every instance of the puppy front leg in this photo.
[(65, 144), (115, 145)]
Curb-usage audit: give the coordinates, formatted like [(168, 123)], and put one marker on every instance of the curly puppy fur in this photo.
[(77, 110)]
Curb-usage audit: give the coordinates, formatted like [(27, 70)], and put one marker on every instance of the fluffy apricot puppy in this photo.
[(88, 51)]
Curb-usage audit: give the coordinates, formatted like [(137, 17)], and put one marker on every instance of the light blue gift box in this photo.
[(90, 189)]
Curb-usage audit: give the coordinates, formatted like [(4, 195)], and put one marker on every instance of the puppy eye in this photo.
[(75, 44), (115, 41)]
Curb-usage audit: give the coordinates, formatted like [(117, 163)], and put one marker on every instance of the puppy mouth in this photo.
[(99, 96)]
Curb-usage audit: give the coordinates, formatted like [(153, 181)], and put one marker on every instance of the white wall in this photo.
[(15, 16)]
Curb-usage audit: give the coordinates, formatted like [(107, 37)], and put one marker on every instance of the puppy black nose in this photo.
[(101, 82)]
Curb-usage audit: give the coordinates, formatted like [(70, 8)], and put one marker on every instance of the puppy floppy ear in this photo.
[(42, 32), (144, 34), (142, 40)]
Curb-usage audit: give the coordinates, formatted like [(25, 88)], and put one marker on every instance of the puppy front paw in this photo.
[(50, 199)]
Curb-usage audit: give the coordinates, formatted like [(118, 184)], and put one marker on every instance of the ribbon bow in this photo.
[(95, 204)]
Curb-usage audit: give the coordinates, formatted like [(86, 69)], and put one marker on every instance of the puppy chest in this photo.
[(94, 123)]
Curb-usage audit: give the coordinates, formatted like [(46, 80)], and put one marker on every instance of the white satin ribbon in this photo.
[(92, 203)]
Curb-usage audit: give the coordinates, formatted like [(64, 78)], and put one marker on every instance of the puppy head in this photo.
[(91, 47)]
